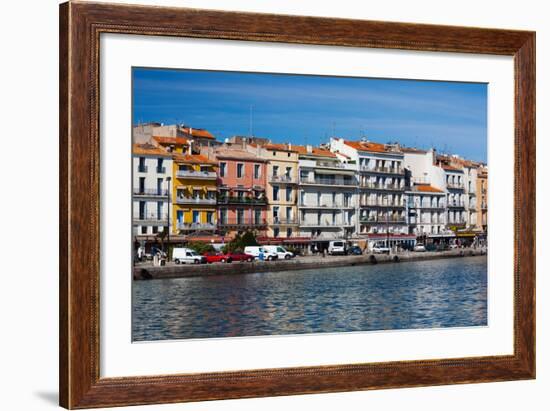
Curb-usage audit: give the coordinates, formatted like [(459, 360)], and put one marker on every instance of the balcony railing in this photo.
[(151, 218), (455, 204), (383, 220), (196, 174), (382, 204), (327, 182), (382, 170), (249, 222), (161, 170), (283, 221), (455, 186), (142, 169), (151, 192), (428, 206), (195, 200), (375, 186), (241, 200), (326, 205), (196, 226), (326, 223), (283, 179)]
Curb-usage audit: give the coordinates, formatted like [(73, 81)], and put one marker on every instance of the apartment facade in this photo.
[(194, 192), (426, 209), (151, 172), (381, 205), (281, 188), (242, 201), (327, 195)]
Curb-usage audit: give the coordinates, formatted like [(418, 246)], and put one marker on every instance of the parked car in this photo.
[(212, 257), (154, 251), (354, 250), (282, 253), (419, 247), (380, 248), (187, 256), (337, 248), (238, 256), (257, 250)]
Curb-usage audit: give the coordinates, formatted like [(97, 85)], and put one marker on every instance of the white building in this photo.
[(426, 208), (151, 167), (381, 190), (327, 195)]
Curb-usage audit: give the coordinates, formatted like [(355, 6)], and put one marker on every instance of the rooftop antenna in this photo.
[(250, 130)]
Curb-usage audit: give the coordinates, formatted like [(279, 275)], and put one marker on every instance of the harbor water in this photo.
[(420, 294)]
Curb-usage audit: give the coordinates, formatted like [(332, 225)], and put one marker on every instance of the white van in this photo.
[(337, 247), (281, 252), (256, 250), (187, 256)]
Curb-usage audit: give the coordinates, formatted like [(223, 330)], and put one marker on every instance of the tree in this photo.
[(201, 247)]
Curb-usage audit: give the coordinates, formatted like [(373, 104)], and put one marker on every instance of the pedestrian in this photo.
[(140, 253)]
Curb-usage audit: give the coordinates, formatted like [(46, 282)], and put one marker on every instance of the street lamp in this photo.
[(168, 180)]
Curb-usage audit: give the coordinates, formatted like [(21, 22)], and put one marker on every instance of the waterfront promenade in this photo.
[(146, 271)]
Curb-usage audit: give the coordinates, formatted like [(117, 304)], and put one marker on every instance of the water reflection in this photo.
[(424, 294)]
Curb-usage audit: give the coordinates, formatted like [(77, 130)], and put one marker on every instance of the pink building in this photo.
[(242, 203)]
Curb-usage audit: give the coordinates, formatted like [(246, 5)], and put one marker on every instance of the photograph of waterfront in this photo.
[(276, 204)]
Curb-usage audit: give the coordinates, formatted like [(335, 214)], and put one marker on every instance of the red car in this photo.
[(227, 258)]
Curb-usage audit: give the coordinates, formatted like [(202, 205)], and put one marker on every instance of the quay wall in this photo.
[(147, 272)]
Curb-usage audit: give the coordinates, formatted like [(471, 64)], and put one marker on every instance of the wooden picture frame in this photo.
[(80, 27)]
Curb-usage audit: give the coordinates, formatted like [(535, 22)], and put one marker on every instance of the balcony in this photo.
[(284, 179), (241, 200), (283, 221), (328, 182), (142, 169), (150, 192), (151, 219), (428, 206), (204, 175), (329, 205), (455, 186), (242, 222), (455, 204), (374, 186), (325, 224), (195, 200), (196, 226), (392, 204), (161, 170), (382, 220), (382, 170)]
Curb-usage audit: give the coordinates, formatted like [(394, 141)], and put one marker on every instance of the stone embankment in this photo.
[(148, 272)]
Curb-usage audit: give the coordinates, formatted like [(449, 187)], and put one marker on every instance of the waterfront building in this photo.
[(193, 194), (281, 188), (146, 132), (426, 210), (482, 193), (381, 207), (456, 207), (151, 167), (327, 194), (242, 202)]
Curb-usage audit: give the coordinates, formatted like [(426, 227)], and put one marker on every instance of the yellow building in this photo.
[(482, 190), (193, 194), (281, 188)]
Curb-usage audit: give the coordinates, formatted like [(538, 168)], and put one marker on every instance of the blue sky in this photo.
[(450, 116)]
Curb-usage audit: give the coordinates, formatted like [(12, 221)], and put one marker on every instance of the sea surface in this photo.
[(422, 294)]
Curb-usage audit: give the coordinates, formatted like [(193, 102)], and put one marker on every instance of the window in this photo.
[(196, 193), (223, 167), (142, 168), (159, 186), (159, 210), (289, 231), (211, 195), (275, 214), (240, 167), (205, 169), (209, 217), (275, 193), (289, 194), (256, 171), (155, 229), (240, 216), (288, 171), (276, 232), (288, 213), (143, 229), (142, 210), (196, 216), (142, 185), (160, 168), (223, 215), (275, 171), (257, 216)]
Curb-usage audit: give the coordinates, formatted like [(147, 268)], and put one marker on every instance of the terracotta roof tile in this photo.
[(198, 132), (450, 168), (171, 140), (315, 151), (426, 188), (280, 147), (192, 159), (149, 149)]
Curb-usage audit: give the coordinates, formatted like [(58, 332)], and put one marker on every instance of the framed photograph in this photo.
[(259, 205)]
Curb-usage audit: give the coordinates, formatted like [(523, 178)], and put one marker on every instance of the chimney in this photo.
[(309, 149)]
